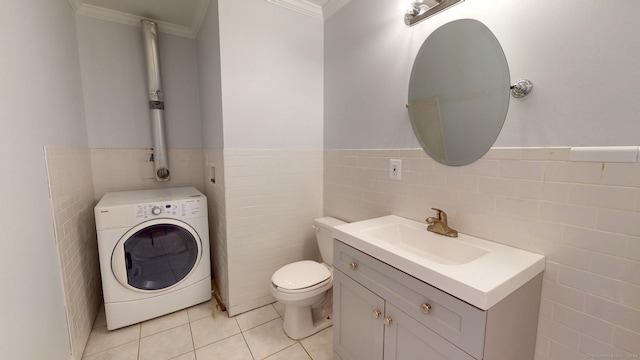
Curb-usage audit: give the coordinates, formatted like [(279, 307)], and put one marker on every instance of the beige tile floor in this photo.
[(197, 333)]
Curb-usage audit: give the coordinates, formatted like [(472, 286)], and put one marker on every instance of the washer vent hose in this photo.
[(156, 101)]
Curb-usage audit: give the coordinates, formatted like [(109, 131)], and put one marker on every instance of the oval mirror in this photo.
[(459, 92)]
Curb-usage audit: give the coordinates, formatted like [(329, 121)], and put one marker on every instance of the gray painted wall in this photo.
[(271, 65), (40, 104), (582, 57), (208, 45), (115, 86)]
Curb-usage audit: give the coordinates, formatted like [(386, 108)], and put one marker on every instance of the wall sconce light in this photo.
[(419, 10)]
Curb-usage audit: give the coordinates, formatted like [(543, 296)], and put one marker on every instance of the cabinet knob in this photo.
[(387, 321), (376, 314), (353, 265), (425, 308)]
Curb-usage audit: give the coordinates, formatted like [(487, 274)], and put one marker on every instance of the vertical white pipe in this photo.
[(156, 101)]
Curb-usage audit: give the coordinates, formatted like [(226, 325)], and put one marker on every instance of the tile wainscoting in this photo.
[(78, 178), (271, 198), (72, 201), (583, 216), (132, 169), (217, 220)]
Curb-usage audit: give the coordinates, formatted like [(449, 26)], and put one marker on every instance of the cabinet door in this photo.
[(358, 331), (407, 339)]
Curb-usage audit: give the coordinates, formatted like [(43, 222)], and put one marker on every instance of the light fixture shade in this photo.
[(422, 9)]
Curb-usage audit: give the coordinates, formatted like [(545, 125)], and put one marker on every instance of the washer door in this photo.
[(156, 255)]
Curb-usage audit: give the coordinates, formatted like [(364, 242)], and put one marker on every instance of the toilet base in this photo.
[(299, 322)]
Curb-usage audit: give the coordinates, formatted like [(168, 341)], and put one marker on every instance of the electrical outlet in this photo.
[(395, 169)]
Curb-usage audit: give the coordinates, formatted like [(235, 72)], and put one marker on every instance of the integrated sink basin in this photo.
[(477, 271), (435, 248)]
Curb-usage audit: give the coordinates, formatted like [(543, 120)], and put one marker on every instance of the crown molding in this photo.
[(332, 7), (133, 20), (75, 4), (311, 9)]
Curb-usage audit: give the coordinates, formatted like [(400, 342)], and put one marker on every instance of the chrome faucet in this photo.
[(439, 225)]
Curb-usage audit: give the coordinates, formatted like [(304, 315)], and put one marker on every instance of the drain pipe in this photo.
[(156, 101)]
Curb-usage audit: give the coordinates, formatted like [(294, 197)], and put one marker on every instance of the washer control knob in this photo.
[(156, 210)]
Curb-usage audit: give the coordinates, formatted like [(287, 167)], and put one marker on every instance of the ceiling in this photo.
[(184, 17)]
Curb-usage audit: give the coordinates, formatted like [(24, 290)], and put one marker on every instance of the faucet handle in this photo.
[(442, 216)]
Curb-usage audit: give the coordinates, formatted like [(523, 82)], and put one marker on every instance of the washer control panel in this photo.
[(183, 209)]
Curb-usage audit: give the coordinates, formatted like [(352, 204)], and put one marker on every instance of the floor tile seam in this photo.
[(190, 351), (111, 348), (292, 345), (139, 344), (305, 349), (272, 320), (193, 342), (217, 341), (248, 347), (107, 332), (200, 318), (268, 321), (190, 334), (283, 349), (163, 330), (213, 342)]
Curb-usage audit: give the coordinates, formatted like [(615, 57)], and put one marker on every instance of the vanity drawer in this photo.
[(455, 320)]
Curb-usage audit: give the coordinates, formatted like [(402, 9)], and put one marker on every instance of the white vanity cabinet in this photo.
[(381, 313)]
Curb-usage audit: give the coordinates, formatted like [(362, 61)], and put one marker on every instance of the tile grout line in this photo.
[(245, 340)]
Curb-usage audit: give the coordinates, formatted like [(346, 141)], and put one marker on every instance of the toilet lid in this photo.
[(300, 275)]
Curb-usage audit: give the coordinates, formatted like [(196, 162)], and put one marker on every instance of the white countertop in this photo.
[(482, 282)]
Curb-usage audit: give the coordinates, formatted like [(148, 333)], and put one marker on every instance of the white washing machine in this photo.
[(154, 253)]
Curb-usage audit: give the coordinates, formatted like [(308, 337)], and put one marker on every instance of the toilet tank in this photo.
[(324, 227)]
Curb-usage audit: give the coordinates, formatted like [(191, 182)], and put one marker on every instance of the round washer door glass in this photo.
[(156, 255)]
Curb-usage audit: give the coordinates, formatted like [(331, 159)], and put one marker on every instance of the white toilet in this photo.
[(304, 287)]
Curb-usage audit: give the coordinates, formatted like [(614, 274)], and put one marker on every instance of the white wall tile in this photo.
[(627, 340), (621, 174), (625, 154), (613, 312), (216, 202), (584, 323), (72, 200), (498, 186), (564, 295), (616, 268), (546, 153), (271, 199), (620, 222), (515, 169), (583, 218), (584, 173), (590, 283), (594, 348), (530, 189), (136, 172), (518, 207), (482, 167), (570, 256), (630, 295), (596, 240), (560, 351), (555, 192), (559, 332), (633, 248), (543, 345), (610, 197), (504, 153), (568, 214)]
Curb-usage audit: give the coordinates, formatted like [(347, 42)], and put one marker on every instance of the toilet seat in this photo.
[(301, 276)]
